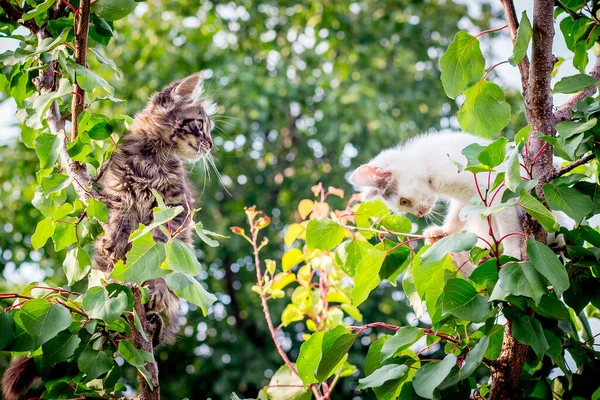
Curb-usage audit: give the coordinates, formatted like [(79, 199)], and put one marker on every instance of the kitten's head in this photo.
[(180, 117), (399, 188)]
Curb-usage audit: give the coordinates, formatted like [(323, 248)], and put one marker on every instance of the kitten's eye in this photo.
[(405, 202)]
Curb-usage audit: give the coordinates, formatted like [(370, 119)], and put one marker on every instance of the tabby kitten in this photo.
[(174, 127)]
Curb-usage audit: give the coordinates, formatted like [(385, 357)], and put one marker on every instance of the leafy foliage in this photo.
[(339, 266)]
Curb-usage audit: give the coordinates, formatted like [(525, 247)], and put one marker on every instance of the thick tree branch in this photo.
[(81, 38), (15, 13), (513, 26), (45, 83), (563, 170), (506, 372), (539, 97), (146, 392), (564, 112)]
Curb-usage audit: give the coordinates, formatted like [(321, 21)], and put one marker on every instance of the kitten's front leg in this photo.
[(452, 224)]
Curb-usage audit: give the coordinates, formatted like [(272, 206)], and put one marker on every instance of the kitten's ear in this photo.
[(369, 176), (190, 86)]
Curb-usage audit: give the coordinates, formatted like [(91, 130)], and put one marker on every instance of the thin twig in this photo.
[(563, 170), (565, 112)]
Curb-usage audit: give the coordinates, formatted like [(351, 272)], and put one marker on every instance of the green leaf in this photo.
[(188, 288), (43, 232), (39, 9), (523, 134), (568, 200), (138, 325), (573, 84), (484, 112), (431, 375), (493, 154), (112, 10), (94, 363), (524, 34), (528, 330), (59, 348), (202, 234), (323, 234), (43, 320), (538, 211), (373, 359), (65, 234), (161, 217), (455, 243), (55, 183), (335, 348), (461, 64), (7, 329), (46, 147), (98, 305), (573, 5), (76, 265), (367, 275), (134, 356), (143, 261), (97, 209), (350, 253), (472, 361), (547, 264), (107, 61), (462, 300), (405, 337), (90, 81), (382, 375), (512, 178), (310, 357), (285, 385), (551, 307), (522, 279), (567, 129), (181, 257)]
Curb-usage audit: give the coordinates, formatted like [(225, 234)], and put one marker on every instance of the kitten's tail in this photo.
[(18, 377)]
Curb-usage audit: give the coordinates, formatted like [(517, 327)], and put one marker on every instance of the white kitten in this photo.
[(413, 176)]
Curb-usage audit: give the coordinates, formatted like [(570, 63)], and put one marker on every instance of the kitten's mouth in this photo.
[(423, 211)]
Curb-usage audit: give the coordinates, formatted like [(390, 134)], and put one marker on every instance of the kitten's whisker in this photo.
[(221, 121), (211, 161)]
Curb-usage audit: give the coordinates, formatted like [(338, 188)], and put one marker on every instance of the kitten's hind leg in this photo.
[(164, 301), (509, 228)]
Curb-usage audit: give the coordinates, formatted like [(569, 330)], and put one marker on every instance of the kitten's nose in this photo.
[(208, 140)]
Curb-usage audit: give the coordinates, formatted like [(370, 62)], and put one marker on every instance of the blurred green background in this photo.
[(306, 92)]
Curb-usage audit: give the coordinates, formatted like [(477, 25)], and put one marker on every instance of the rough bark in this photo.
[(506, 371), (513, 26), (81, 39), (146, 392)]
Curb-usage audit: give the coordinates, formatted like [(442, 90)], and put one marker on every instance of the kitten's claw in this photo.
[(433, 234)]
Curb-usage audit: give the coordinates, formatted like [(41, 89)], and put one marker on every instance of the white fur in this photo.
[(424, 173)]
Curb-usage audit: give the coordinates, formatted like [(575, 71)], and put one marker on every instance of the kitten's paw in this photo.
[(433, 234)]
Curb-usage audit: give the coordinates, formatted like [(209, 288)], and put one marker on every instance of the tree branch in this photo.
[(81, 38), (535, 79), (563, 170), (146, 392), (564, 112), (513, 26), (15, 13)]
